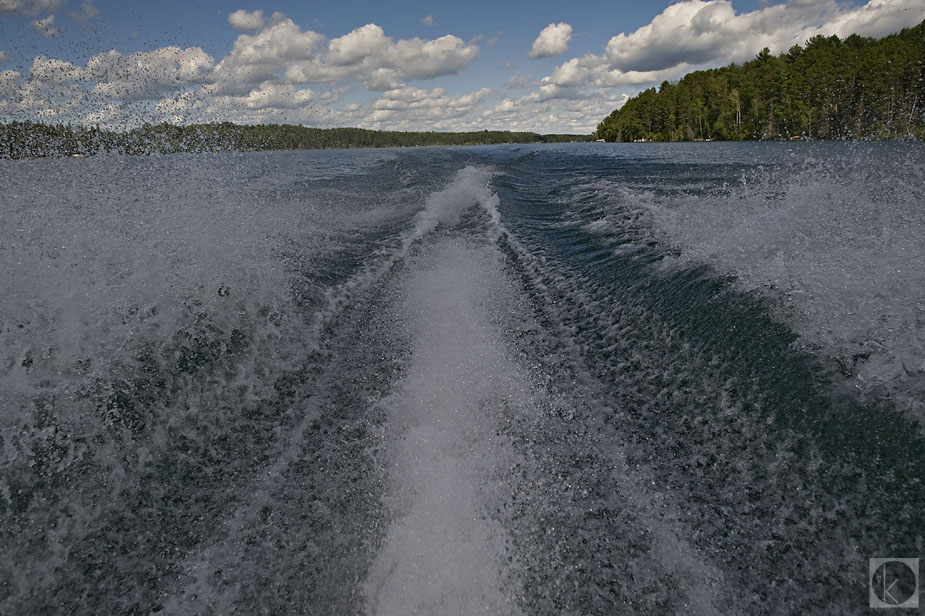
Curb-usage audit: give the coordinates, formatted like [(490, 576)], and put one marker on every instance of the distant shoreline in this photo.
[(37, 140)]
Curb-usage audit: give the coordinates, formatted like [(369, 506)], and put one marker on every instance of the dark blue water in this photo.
[(577, 379)]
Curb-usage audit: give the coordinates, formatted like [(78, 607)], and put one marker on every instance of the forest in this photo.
[(32, 139), (856, 88)]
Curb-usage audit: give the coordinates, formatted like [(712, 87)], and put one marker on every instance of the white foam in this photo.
[(468, 188), (443, 553), (839, 243)]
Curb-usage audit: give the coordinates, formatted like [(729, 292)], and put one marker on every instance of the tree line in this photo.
[(856, 88), (34, 139)]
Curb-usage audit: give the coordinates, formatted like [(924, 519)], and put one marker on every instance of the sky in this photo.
[(538, 65)]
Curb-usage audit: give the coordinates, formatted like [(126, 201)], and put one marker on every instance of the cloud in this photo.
[(381, 63), (420, 59), (575, 72), (551, 91), (263, 78), (698, 32), (576, 115), (552, 41), (30, 7), (428, 21), (270, 102), (505, 107), (278, 96), (53, 87), (370, 49), (52, 71), (257, 58), (382, 79), (106, 116), (282, 56), (518, 80), (354, 47), (4, 58), (148, 74), (487, 41), (242, 20), (9, 84), (413, 108), (404, 108), (710, 31), (879, 18), (46, 27), (595, 70)]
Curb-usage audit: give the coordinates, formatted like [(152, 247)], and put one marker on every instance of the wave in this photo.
[(703, 383), (836, 245)]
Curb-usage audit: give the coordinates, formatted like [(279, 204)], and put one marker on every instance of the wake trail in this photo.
[(467, 414), (366, 296), (444, 553)]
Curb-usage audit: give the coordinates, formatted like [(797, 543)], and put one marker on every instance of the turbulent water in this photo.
[(576, 379)]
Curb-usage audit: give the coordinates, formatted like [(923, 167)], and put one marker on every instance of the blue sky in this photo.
[(404, 65)]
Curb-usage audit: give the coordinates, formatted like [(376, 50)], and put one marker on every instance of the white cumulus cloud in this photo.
[(145, 75), (352, 48), (382, 63), (420, 59), (53, 71), (242, 20), (257, 58), (414, 108), (278, 96), (552, 41), (705, 31), (53, 88)]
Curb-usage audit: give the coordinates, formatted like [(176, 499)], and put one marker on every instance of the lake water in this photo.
[(570, 379)]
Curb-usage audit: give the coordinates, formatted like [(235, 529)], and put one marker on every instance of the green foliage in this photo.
[(857, 88), (31, 139)]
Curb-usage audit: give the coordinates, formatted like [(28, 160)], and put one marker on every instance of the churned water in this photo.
[(572, 379)]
